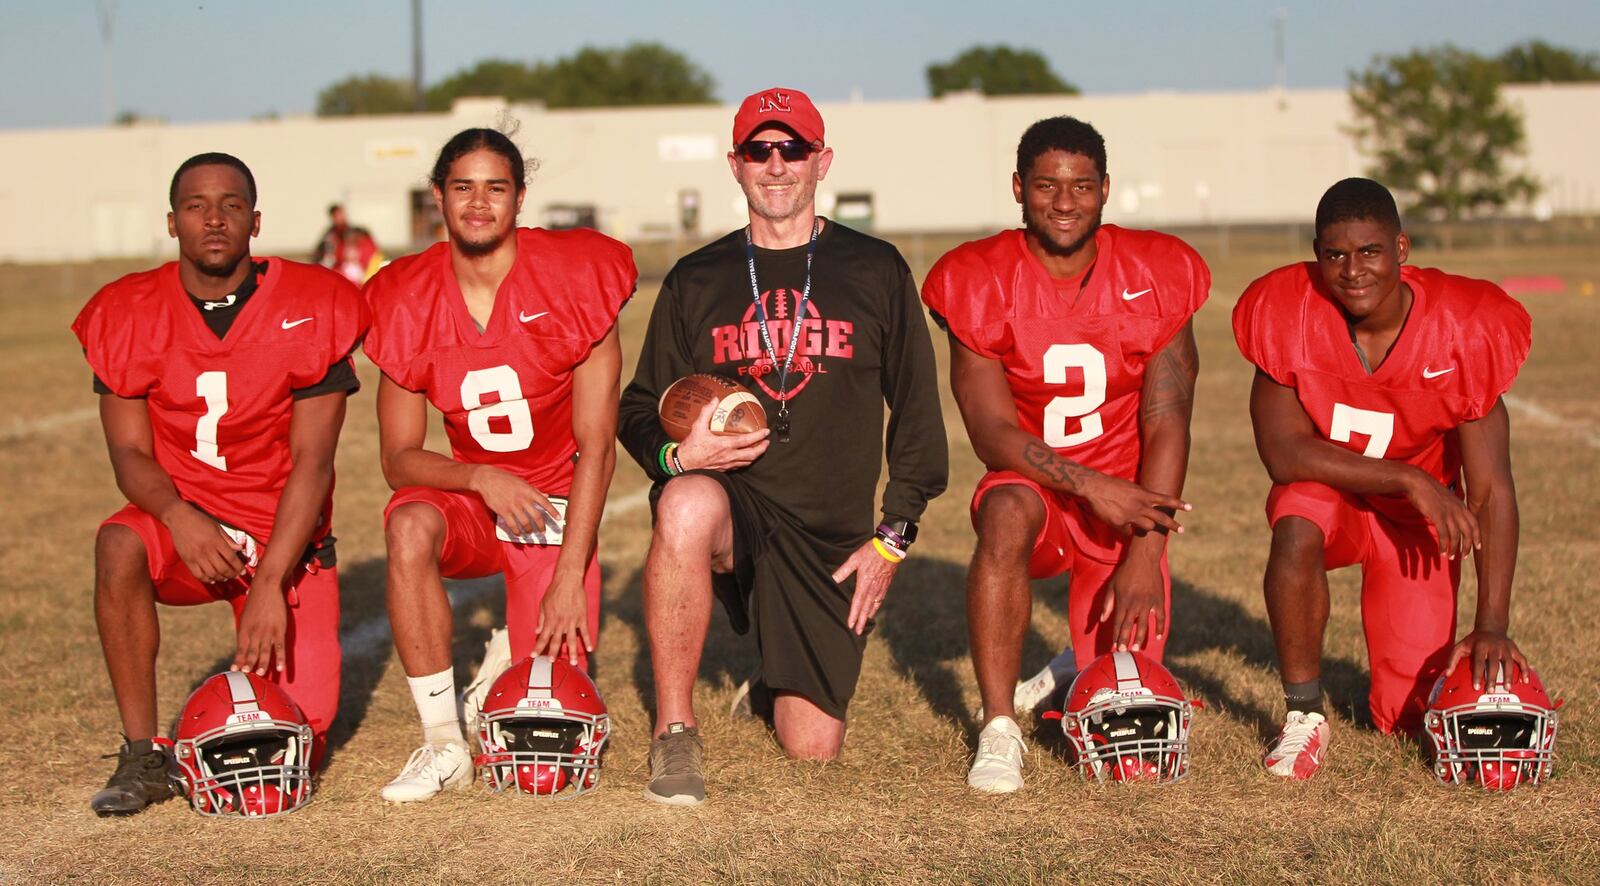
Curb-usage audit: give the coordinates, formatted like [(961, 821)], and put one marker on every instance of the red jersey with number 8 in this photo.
[(219, 408), (1074, 355), (505, 391), (1461, 347)]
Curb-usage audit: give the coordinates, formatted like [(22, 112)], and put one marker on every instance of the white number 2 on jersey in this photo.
[(1057, 360), (503, 381), (211, 387), (1377, 427)]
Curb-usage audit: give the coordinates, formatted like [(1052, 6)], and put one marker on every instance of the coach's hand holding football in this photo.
[(706, 450)]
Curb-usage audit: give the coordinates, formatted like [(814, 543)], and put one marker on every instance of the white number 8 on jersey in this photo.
[(502, 381)]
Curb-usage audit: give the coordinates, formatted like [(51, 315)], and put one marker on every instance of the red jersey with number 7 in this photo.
[(220, 408), (505, 390), (1461, 347)]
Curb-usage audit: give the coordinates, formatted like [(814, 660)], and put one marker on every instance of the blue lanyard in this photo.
[(794, 330)]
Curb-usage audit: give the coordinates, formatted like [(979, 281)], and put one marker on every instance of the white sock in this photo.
[(435, 695)]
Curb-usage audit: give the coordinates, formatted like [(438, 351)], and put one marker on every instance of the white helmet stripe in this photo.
[(244, 695), (539, 677), (1127, 670)]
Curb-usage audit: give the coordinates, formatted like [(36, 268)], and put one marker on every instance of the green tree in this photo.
[(997, 70), (1539, 62), (512, 80), (636, 74), (366, 94), (1439, 132)]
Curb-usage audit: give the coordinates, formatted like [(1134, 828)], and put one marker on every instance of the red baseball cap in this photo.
[(789, 108)]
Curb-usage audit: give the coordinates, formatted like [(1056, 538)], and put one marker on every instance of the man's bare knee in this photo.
[(414, 531), (805, 731), (1297, 542), (691, 512), (1008, 520), (118, 554)]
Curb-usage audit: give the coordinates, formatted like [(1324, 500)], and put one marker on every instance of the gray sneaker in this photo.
[(677, 767), (144, 776)]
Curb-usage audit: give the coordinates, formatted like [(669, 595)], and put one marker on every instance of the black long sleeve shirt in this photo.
[(863, 344)]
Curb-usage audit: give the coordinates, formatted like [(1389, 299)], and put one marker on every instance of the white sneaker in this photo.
[(1298, 751), (496, 658), (997, 768), (1036, 690), (431, 769)]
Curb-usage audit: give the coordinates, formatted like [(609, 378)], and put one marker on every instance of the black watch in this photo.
[(906, 529)]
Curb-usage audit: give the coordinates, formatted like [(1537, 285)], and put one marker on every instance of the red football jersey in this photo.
[(1074, 357), (505, 392), (220, 408), (1460, 349)]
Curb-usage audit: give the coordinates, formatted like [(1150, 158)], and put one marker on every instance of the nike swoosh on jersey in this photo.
[(1426, 373), (529, 318), (287, 324), (1130, 296)]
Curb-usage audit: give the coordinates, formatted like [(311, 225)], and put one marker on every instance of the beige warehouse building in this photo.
[(660, 173)]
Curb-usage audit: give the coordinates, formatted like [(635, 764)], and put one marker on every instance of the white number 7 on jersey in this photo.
[(1377, 427)]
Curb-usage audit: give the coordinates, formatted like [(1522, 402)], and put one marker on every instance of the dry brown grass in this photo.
[(895, 807)]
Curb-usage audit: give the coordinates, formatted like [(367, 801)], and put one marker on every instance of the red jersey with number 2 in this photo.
[(505, 391), (219, 408), (1461, 347), (1074, 357)]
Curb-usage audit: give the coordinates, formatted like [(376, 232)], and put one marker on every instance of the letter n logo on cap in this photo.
[(774, 101)]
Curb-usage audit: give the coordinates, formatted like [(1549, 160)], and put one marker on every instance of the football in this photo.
[(738, 410)]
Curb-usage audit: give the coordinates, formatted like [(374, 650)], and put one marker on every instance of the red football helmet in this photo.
[(542, 728), (1501, 736), (243, 748), (1128, 720)]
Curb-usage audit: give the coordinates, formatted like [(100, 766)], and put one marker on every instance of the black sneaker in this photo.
[(143, 776), (677, 767)]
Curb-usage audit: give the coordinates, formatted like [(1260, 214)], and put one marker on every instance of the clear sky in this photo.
[(203, 60)]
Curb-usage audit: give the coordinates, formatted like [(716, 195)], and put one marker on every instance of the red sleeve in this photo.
[(386, 341), (968, 301), (607, 282), (1186, 283), (1266, 321), (111, 343), (1496, 342)]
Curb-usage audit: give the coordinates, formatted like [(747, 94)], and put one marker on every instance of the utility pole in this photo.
[(105, 10), (416, 55), (1280, 23)]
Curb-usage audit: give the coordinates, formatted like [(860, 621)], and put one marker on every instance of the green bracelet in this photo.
[(661, 458)]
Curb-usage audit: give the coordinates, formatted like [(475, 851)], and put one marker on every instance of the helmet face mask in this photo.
[(243, 748), (542, 729), (1128, 720), (1500, 737)]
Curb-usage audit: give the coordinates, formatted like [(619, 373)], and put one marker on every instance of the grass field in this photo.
[(895, 807)]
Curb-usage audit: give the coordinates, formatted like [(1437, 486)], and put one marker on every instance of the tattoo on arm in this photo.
[(1064, 473), (1170, 387)]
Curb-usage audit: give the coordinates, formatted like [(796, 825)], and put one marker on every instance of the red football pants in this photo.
[(1408, 593), (311, 673), (472, 550), (1057, 551)]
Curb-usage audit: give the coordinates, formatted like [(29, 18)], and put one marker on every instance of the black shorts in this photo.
[(782, 584)]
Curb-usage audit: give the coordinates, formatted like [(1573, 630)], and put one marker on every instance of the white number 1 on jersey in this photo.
[(211, 387)]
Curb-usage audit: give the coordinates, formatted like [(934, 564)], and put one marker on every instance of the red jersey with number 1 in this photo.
[(219, 408), (1461, 347), (505, 391), (1074, 356)]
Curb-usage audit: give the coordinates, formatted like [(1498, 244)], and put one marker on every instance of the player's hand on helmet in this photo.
[(1450, 517), (209, 553), (263, 626), (563, 620), (1486, 652), (1134, 602), (873, 574), (718, 452), (512, 499), (1130, 508)]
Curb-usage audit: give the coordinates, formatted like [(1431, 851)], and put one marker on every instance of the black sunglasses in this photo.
[(792, 150)]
